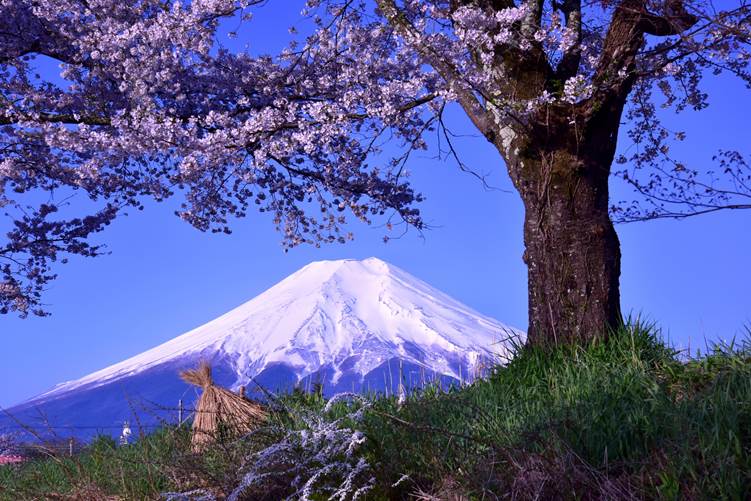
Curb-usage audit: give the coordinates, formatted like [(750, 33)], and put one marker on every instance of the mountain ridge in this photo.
[(342, 323)]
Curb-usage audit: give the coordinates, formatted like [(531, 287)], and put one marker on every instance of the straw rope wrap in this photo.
[(220, 412)]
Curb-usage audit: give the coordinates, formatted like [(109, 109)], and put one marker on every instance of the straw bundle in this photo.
[(220, 413)]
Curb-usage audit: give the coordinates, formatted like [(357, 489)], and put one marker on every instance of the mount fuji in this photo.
[(345, 325)]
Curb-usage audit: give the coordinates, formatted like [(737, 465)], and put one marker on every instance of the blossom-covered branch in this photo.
[(149, 105)]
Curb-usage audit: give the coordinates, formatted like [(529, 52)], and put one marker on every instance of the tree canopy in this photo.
[(153, 106)]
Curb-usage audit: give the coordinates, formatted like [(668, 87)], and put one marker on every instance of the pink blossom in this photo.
[(153, 107)]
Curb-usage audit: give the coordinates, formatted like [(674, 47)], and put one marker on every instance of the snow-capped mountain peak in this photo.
[(341, 322)]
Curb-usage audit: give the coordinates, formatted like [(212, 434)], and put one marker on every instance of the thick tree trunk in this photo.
[(572, 249), (573, 257)]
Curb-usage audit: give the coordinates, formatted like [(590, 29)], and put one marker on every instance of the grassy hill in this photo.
[(623, 419)]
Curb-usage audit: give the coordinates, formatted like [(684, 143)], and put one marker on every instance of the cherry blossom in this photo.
[(150, 105)]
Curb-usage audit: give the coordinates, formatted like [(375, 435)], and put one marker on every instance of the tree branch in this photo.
[(472, 106), (569, 64), (60, 118), (630, 22), (674, 20)]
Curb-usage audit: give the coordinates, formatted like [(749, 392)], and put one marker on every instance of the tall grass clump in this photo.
[(616, 419)]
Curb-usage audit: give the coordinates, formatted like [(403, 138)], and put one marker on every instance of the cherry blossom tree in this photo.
[(152, 106)]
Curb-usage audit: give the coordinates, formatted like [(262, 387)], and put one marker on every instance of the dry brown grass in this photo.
[(220, 412), (446, 490)]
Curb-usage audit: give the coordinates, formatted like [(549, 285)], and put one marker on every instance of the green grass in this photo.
[(132, 472), (620, 419), (624, 417)]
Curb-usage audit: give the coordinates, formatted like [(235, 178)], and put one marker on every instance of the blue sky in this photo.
[(164, 278)]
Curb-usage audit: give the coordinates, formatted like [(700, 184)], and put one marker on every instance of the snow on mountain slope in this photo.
[(322, 314), (338, 321)]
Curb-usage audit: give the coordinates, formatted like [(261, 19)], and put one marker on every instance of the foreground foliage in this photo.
[(622, 419)]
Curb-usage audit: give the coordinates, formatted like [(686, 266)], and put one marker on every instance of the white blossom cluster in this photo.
[(8, 444), (149, 105), (320, 458)]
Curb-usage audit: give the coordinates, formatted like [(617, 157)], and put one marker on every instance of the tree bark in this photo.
[(571, 248), (573, 257)]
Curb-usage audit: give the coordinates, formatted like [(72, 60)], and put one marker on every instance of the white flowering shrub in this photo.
[(319, 457), (8, 444), (194, 495)]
